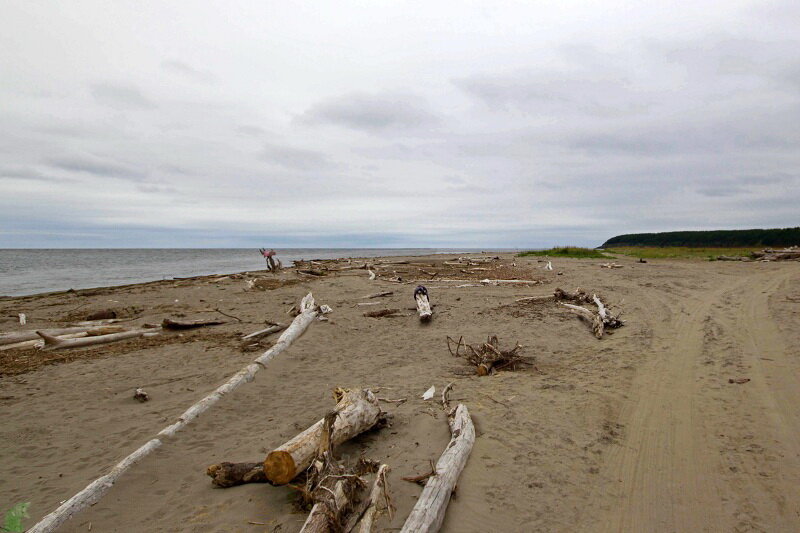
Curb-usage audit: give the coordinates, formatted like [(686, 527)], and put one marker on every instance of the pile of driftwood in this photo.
[(600, 320), (787, 254), (336, 493), (487, 357)]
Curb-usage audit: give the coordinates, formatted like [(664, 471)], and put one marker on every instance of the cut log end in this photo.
[(279, 467)]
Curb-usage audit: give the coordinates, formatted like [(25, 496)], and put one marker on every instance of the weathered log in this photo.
[(264, 332), (95, 490), (579, 295), (358, 411), (168, 323), (231, 474), (23, 319), (429, 511), (56, 343), (371, 275), (423, 303)]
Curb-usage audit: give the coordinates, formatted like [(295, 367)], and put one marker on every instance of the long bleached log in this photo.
[(497, 281), (95, 490), (38, 343), (21, 336), (358, 410), (57, 343), (429, 511)]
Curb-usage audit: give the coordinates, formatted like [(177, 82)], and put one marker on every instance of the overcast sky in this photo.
[(376, 123)]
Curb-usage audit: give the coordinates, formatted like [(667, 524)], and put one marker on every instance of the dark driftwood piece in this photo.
[(381, 313), (231, 474), (168, 323)]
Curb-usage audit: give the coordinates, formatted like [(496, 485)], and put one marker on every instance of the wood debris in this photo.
[(488, 358)]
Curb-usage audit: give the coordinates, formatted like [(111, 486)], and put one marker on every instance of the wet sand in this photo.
[(639, 431)]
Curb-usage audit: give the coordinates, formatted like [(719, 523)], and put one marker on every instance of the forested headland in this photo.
[(715, 238)]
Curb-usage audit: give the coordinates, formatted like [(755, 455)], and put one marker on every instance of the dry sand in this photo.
[(639, 431)]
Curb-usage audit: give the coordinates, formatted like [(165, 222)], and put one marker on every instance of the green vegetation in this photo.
[(13, 520), (718, 238), (566, 251), (679, 252)]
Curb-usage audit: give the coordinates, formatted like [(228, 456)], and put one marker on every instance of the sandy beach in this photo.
[(638, 431)]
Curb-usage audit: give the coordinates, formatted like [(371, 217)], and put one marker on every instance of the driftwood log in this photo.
[(56, 343), (357, 411), (429, 511), (95, 490)]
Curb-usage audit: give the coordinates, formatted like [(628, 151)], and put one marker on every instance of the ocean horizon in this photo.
[(26, 271)]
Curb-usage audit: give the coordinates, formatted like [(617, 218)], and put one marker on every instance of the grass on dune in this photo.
[(680, 252), (566, 251)]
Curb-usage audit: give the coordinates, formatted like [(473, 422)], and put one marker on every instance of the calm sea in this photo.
[(25, 272)]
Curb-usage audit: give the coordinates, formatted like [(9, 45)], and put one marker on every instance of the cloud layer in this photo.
[(394, 124)]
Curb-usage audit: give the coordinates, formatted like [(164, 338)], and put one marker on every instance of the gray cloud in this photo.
[(120, 96), (188, 72), (96, 166), (372, 112), (296, 158)]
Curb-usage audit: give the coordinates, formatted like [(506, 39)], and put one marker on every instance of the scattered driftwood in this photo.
[(356, 411), (371, 275), (423, 303), (92, 493), (56, 343), (264, 332), (168, 323), (610, 265), (488, 358), (22, 319), (226, 474), (381, 313), (141, 395), (429, 511)]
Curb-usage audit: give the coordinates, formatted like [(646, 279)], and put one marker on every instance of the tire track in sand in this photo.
[(661, 477), (700, 454)]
